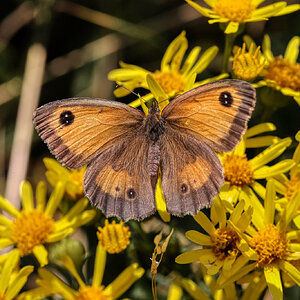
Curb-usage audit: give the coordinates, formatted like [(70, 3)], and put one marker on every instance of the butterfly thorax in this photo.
[(154, 124)]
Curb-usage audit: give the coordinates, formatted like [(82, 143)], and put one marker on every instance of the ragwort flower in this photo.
[(247, 65), (241, 174), (33, 227), (174, 76), (233, 13), (222, 244), (272, 246), (282, 73), (96, 291)]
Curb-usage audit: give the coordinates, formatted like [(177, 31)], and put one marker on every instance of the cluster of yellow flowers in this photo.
[(253, 229)]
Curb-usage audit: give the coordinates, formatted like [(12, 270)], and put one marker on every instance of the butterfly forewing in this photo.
[(77, 130), (217, 113)]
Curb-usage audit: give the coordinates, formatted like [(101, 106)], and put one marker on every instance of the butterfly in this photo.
[(126, 150)]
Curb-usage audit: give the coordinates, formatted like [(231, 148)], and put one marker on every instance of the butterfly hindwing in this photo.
[(77, 130), (117, 181), (217, 113), (191, 173)]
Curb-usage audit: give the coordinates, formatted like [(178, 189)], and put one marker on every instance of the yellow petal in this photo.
[(203, 221), (204, 255), (7, 269), (194, 291), (18, 282), (292, 50), (289, 269), (211, 79), (41, 195), (8, 207), (69, 265), (202, 10), (59, 235), (55, 198), (205, 59), (27, 196), (273, 279), (175, 292), (270, 153), (160, 202), (137, 102), (124, 281), (99, 265), (288, 9), (259, 129), (261, 141), (232, 27), (215, 267), (266, 46), (158, 92), (177, 46), (279, 168), (269, 202), (41, 254), (190, 61), (268, 10), (218, 213), (198, 237)]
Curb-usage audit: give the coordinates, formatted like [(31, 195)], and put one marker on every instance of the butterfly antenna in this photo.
[(126, 88)]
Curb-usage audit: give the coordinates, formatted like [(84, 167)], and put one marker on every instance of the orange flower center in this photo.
[(2, 296), (31, 229), (292, 186), (269, 244), (224, 242), (91, 293), (284, 73), (170, 81), (237, 170), (236, 11), (114, 237)]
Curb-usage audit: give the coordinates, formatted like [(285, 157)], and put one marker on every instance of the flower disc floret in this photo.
[(284, 73), (237, 170), (169, 81), (224, 242), (31, 229), (270, 244), (236, 11), (114, 237), (91, 293)]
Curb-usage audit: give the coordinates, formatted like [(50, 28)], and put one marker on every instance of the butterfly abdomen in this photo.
[(153, 159)]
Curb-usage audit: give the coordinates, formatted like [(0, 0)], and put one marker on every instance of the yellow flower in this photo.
[(247, 65), (241, 174), (222, 244), (174, 76), (11, 282), (282, 73), (32, 227), (113, 237), (272, 247), (96, 291), (71, 178), (233, 13), (288, 186)]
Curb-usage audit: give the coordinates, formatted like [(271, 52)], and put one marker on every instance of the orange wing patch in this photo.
[(217, 113), (77, 130)]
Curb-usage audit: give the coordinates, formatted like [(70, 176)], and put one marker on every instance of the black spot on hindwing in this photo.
[(131, 193)]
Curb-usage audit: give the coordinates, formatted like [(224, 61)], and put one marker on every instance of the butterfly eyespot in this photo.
[(66, 118), (131, 193), (117, 189), (184, 188), (226, 99)]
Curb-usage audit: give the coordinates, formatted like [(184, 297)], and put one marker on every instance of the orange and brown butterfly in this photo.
[(125, 149)]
